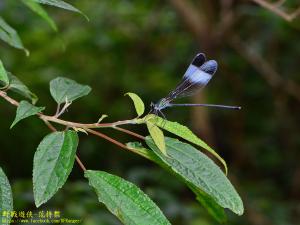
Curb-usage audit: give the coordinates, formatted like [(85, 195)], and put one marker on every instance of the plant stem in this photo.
[(9, 99), (49, 125), (130, 132), (80, 163), (86, 126), (68, 123), (97, 133)]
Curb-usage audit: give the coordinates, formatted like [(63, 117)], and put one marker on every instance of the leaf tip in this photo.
[(27, 52), (86, 17), (12, 125), (37, 204), (103, 116)]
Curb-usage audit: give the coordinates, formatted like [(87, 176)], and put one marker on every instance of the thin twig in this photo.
[(48, 119), (274, 7), (49, 125), (295, 14), (130, 133), (272, 77), (68, 123), (99, 134), (57, 110), (85, 125), (63, 110), (9, 99), (80, 163), (279, 3)]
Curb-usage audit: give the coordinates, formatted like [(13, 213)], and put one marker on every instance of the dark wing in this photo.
[(194, 79), (198, 61), (209, 67)]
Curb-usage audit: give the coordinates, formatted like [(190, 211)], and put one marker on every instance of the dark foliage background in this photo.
[(145, 47)]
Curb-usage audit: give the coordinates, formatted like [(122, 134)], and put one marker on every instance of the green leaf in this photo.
[(138, 103), (10, 36), (61, 4), (216, 211), (158, 137), (125, 200), (52, 164), (24, 110), (38, 9), (6, 200), (199, 170), (63, 89), (103, 116), (138, 148), (3, 74), (17, 86), (185, 133)]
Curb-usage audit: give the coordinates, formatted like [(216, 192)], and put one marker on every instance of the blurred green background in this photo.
[(144, 47)]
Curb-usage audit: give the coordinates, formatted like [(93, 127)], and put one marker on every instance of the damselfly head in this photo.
[(161, 104), (152, 107)]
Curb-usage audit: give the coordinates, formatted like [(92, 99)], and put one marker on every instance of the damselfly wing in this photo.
[(195, 78)]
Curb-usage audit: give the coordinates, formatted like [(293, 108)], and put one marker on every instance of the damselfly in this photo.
[(196, 77)]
